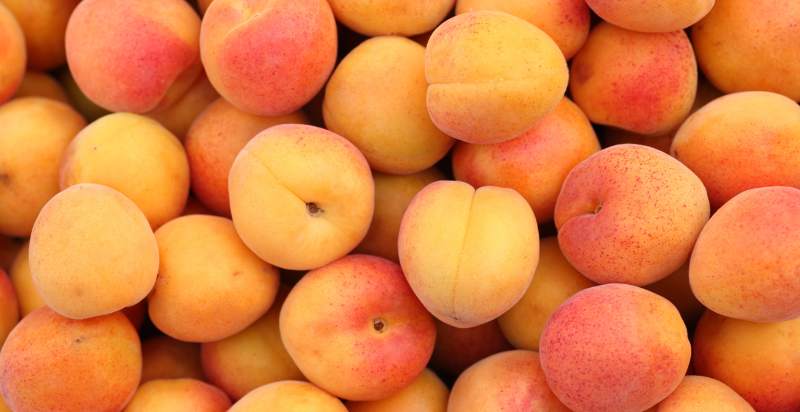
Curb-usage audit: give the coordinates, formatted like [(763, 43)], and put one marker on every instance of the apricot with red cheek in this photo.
[(652, 16), (491, 76), (630, 214), (133, 56), (742, 141), (640, 82), (534, 164), (268, 57), (378, 336), (457, 349), (757, 360), (614, 347)]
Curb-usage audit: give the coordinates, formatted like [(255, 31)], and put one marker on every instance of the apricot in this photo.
[(288, 396), (742, 141), (52, 363), (491, 76), (554, 282), (757, 360), (27, 295), (382, 17), (392, 195), (700, 393), (614, 347), (565, 21), (38, 84), (511, 380), (376, 99), (469, 254), (90, 110), (112, 258), (210, 286), (133, 56), (744, 265), (611, 229), (12, 54), (378, 336), (251, 358), (212, 142), (677, 289), (536, 163), (34, 135), (427, 393), (134, 155), (9, 310), (43, 22), (178, 395), (167, 358), (750, 45), (311, 188), (457, 349), (268, 57), (640, 82), (653, 16), (178, 117)]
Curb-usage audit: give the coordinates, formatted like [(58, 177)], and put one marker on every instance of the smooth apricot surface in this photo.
[(288, 396), (611, 229), (178, 117), (27, 295), (52, 363), (491, 76), (654, 16), (700, 394), (378, 337), (12, 54), (43, 22), (38, 84), (112, 258), (382, 17), (178, 395), (426, 394), (614, 347)]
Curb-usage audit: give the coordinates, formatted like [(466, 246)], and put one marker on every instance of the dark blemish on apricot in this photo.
[(314, 209), (236, 273), (598, 208), (5, 179), (379, 325), (79, 339)]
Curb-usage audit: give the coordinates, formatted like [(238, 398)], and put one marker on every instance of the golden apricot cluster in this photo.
[(399, 205)]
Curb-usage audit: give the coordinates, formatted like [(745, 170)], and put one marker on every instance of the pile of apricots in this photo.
[(399, 205)]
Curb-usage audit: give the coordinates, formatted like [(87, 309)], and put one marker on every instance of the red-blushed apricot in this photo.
[(111, 260), (79, 101), (178, 117), (35, 134), (554, 282), (288, 396), (750, 45), (167, 358), (565, 21), (457, 349), (491, 76), (640, 82), (535, 163), (251, 358), (134, 155), (744, 265), (378, 336), (12, 54), (9, 308), (52, 363), (376, 99), (614, 347), (468, 254), (9, 248), (652, 16), (742, 141), (27, 295), (757, 360), (630, 214), (178, 395), (507, 381), (701, 394), (133, 55), (677, 289), (43, 22), (312, 188), (426, 394), (268, 57), (212, 143), (38, 84), (382, 17), (210, 286), (392, 195)]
